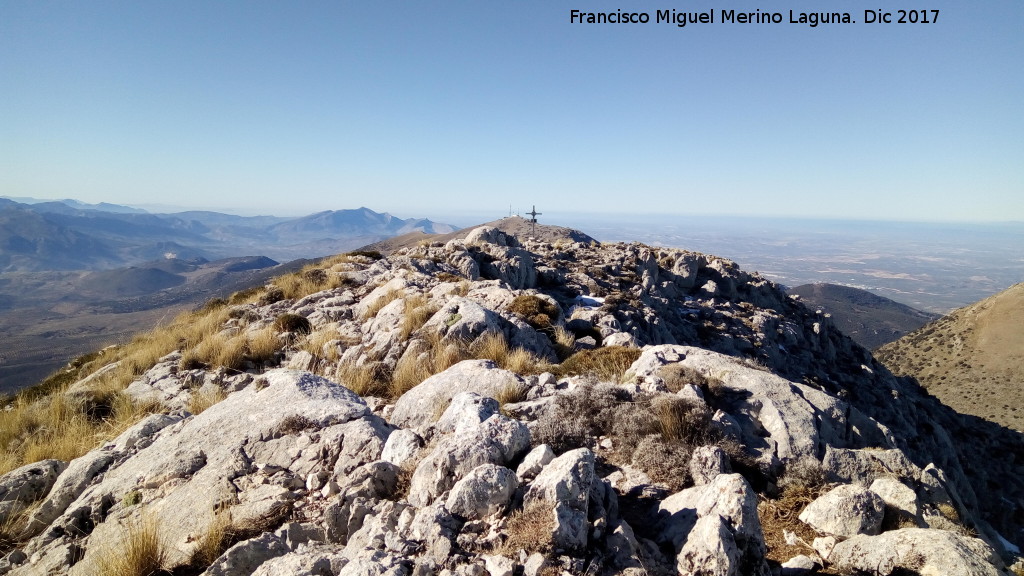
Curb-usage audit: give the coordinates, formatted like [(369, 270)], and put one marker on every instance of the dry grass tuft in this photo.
[(375, 306), (492, 346), (418, 309), (317, 343), (200, 401), (263, 346), (138, 553), (782, 515), (609, 364), (214, 541), (529, 529)]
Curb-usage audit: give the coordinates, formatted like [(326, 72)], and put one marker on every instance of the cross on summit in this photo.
[(533, 219)]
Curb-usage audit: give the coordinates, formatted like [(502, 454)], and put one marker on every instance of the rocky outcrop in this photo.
[(669, 465)]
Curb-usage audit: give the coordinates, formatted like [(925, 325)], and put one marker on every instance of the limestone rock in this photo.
[(917, 550), (23, 486), (845, 511), (486, 490), (416, 407), (706, 463), (710, 550), (565, 484)]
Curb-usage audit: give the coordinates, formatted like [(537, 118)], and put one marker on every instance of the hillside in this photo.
[(496, 405), (869, 319), (972, 359)]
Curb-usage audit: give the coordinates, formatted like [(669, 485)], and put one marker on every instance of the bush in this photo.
[(665, 461), (292, 323), (576, 418), (371, 254), (678, 375)]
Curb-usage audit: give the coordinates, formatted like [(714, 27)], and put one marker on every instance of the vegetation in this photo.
[(536, 311), (530, 529), (138, 553), (608, 364)]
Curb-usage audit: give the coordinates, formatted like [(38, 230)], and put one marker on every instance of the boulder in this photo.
[(499, 440), (916, 551), (418, 406), (22, 486), (845, 511), (706, 463), (565, 485), (486, 490), (710, 550)]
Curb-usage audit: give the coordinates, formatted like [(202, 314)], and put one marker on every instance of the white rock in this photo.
[(416, 407), (710, 550), (565, 484), (485, 490), (926, 552), (845, 511), (535, 461)]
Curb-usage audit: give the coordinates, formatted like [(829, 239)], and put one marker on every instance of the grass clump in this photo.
[(139, 552), (201, 400), (215, 540), (292, 323), (418, 309), (529, 529), (535, 311), (609, 363), (493, 346)]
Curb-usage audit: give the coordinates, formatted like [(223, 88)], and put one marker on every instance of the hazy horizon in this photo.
[(273, 108)]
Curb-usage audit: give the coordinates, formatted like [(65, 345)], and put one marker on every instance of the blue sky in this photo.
[(435, 108)]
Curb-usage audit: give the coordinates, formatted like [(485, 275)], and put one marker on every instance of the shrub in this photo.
[(246, 295), (271, 295), (608, 364), (805, 473), (294, 424), (665, 461), (564, 341), (578, 417), (371, 254), (292, 323), (678, 375)]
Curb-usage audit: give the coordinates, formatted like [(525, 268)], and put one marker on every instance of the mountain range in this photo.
[(70, 235)]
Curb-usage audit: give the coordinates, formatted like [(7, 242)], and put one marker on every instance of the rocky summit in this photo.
[(493, 404)]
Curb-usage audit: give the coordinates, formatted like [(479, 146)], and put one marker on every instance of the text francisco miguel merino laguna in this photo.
[(712, 16)]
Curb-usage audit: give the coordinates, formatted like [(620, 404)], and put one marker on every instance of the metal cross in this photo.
[(533, 219)]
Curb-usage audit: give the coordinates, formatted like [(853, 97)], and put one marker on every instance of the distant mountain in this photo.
[(53, 205), (72, 235), (361, 222), (972, 359), (871, 320)]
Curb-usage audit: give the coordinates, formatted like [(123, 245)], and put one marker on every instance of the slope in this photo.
[(869, 319), (972, 359)]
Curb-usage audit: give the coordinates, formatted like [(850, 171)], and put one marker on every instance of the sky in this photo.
[(434, 108)]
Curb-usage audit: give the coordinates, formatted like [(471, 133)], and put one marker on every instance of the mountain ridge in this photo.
[(494, 403)]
